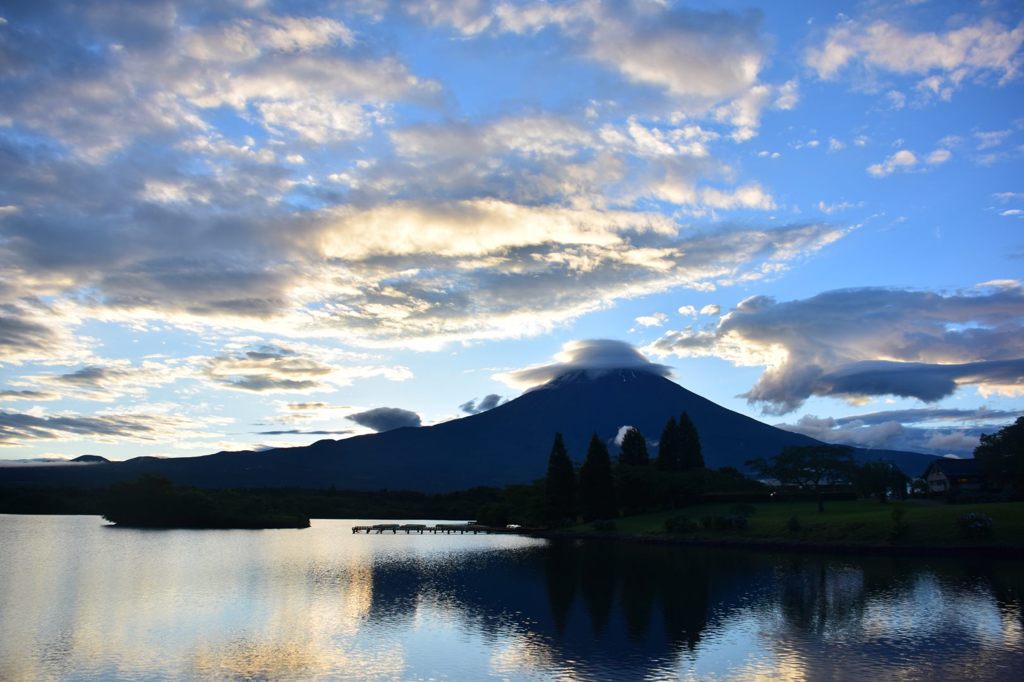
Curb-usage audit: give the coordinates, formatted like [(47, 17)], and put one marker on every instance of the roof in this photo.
[(951, 466)]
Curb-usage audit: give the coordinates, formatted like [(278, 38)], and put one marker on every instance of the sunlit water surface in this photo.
[(82, 600)]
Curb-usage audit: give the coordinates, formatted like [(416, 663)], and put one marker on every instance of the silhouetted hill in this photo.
[(508, 444), (90, 459)]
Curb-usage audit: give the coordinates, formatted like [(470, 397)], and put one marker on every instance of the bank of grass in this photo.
[(850, 524)]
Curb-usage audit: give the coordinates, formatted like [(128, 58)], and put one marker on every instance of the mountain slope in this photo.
[(508, 444)]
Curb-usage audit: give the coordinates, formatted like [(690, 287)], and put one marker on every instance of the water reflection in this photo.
[(79, 600)]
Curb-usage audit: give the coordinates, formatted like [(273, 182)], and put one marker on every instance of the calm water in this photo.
[(82, 600)]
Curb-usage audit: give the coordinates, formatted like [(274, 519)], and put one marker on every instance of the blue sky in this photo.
[(248, 224)]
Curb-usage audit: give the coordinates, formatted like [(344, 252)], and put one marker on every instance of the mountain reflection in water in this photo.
[(82, 600)]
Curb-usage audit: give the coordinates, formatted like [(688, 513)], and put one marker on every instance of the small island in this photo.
[(155, 502)]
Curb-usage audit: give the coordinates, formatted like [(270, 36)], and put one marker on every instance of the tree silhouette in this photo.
[(689, 446), (559, 486), (808, 466), (597, 489), (634, 448), (668, 447), (1001, 454)]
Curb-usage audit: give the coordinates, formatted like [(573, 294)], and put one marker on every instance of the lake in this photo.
[(80, 599)]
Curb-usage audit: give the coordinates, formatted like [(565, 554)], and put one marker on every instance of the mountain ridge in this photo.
[(507, 444)]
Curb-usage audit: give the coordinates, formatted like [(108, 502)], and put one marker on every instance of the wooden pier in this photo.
[(441, 528)]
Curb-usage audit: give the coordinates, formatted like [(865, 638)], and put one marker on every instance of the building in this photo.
[(949, 475)]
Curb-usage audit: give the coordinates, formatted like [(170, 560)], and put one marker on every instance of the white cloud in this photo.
[(986, 46), (837, 207), (687, 311), (938, 156), (710, 309), (655, 320), (593, 356), (903, 159)]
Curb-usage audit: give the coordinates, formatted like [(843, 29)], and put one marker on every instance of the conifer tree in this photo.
[(597, 489), (559, 486), (668, 446), (689, 446), (634, 448)]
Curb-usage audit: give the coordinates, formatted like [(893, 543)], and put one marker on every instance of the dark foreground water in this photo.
[(82, 600)]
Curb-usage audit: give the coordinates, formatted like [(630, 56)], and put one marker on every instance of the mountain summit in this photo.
[(508, 444)]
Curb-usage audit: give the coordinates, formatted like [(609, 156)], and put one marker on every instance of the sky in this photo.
[(244, 224)]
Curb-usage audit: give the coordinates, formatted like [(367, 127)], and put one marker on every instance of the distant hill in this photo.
[(90, 459), (508, 444)]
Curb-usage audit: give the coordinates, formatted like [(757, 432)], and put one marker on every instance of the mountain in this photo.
[(508, 444), (90, 459)]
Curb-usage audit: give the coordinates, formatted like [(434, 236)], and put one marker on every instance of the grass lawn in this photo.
[(925, 523)]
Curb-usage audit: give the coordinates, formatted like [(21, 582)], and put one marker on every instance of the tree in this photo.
[(880, 478), (634, 472), (1001, 454), (689, 447), (668, 446), (808, 466), (597, 489), (559, 486), (634, 448)]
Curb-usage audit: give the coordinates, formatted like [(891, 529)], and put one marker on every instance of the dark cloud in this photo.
[(300, 432), (488, 402), (385, 418), (27, 395), (862, 342), (90, 376), (593, 356)]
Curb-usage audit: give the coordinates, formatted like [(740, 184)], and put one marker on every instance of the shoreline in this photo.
[(952, 551)]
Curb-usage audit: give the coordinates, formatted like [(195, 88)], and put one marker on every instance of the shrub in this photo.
[(975, 525), (793, 525), (678, 525), (603, 526), (734, 522), (743, 509), (899, 526)]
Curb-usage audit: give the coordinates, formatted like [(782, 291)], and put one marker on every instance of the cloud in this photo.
[(28, 395), (903, 159), (938, 431), (688, 53), (17, 428), (385, 418), (111, 380), (838, 207), (711, 309), (300, 432), (488, 402), (461, 229), (655, 320), (593, 356), (972, 50), (853, 343), (274, 368)]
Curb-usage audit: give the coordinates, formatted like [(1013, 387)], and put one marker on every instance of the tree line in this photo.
[(636, 483), (677, 476)]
